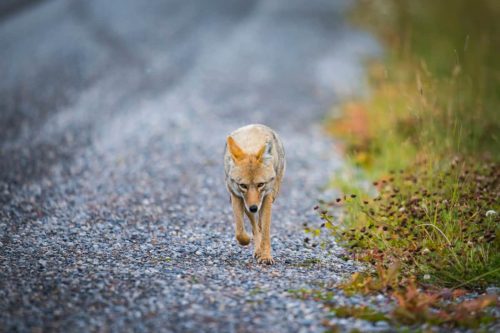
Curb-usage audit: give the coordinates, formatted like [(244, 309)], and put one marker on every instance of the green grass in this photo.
[(439, 86), (434, 227), (308, 263), (429, 138), (412, 306), (359, 312), (421, 196)]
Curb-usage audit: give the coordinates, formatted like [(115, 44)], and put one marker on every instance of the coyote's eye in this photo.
[(243, 186), (260, 185)]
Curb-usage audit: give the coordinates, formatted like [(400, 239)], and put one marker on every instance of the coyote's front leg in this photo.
[(265, 223), (256, 230), (238, 209)]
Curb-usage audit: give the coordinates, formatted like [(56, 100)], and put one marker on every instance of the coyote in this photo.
[(254, 164)]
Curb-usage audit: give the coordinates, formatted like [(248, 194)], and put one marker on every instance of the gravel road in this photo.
[(114, 215)]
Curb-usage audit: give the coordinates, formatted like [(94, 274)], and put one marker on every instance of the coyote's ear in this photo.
[(236, 152), (264, 152)]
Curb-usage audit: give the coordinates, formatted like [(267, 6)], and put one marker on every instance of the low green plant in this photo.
[(308, 263), (358, 312), (366, 283), (413, 305), (440, 222), (315, 294)]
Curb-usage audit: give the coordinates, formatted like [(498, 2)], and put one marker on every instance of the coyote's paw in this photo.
[(257, 254), (268, 260), (243, 239)]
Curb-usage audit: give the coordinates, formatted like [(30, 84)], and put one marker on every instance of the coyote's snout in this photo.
[(254, 163)]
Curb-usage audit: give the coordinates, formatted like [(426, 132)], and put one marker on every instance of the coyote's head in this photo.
[(251, 175)]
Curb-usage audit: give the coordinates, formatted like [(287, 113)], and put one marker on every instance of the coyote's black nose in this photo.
[(253, 208)]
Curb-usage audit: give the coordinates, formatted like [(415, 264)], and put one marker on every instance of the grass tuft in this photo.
[(439, 222)]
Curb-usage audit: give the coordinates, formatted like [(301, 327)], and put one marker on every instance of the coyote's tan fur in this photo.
[(254, 163)]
